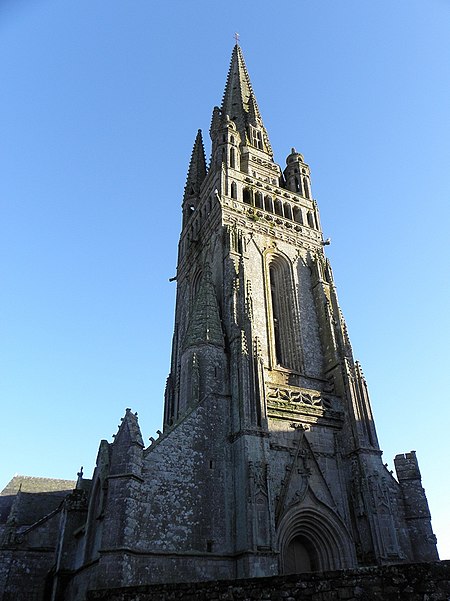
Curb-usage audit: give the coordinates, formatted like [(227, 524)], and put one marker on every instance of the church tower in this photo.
[(263, 368), (268, 462)]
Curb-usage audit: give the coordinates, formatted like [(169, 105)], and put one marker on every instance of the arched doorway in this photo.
[(313, 538), (300, 557)]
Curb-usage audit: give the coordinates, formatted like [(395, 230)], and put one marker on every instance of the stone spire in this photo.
[(129, 430), (205, 325), (197, 168), (239, 101)]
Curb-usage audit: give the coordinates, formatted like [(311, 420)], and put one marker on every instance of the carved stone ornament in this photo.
[(76, 501), (298, 395), (258, 473)]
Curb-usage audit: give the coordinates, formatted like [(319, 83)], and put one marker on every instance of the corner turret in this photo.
[(297, 174)]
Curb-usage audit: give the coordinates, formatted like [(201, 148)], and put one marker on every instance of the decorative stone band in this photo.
[(292, 403), (294, 234)]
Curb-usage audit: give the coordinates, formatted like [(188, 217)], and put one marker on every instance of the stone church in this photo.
[(268, 462)]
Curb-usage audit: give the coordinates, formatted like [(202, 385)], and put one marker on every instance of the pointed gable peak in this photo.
[(239, 102), (197, 168), (129, 430)]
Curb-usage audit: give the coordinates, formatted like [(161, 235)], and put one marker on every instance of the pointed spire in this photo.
[(205, 325), (239, 101), (238, 88), (129, 429), (197, 168), (253, 110)]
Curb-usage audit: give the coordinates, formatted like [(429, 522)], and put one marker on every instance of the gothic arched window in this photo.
[(283, 323), (233, 190)]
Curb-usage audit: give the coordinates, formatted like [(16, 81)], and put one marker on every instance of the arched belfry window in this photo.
[(247, 196), (283, 322), (279, 207), (287, 210), (306, 190)]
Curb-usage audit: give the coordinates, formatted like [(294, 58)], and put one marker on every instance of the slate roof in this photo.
[(33, 498)]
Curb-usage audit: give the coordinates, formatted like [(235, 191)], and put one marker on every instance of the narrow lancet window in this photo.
[(306, 190), (275, 317), (284, 323), (232, 158)]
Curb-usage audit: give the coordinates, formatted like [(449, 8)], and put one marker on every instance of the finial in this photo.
[(236, 37), (80, 473)]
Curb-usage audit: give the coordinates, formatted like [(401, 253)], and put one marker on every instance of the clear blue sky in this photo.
[(100, 101)]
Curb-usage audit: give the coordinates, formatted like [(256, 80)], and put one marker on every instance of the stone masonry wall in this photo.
[(407, 582), (23, 573)]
